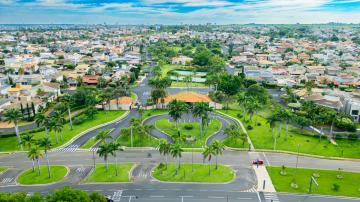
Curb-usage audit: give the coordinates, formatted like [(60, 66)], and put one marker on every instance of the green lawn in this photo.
[(133, 96), (100, 174), (201, 173), (170, 128), (183, 84), (261, 137), (2, 169), (348, 186), (30, 177), (10, 143), (139, 140), (153, 112)]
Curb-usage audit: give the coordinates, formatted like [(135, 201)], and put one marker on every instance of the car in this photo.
[(258, 162)]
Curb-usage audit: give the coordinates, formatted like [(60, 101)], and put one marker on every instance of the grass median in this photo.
[(201, 173), (30, 177), (100, 174), (3, 169), (330, 182)]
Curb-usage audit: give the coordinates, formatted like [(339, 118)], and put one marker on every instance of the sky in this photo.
[(178, 11)]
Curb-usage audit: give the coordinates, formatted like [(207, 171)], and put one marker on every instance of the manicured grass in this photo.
[(261, 137), (139, 140), (236, 143), (10, 143), (349, 184), (2, 169), (153, 112), (31, 177), (100, 174), (183, 84), (133, 96), (170, 128), (201, 173)]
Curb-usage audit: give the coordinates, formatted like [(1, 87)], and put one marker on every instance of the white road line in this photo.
[(157, 196), (266, 159), (216, 197), (244, 198)]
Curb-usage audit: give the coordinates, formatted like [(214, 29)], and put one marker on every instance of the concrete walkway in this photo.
[(263, 177)]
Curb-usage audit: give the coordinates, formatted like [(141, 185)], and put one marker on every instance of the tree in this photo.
[(13, 116), (200, 110), (208, 153), (156, 95), (91, 112), (176, 110), (53, 127), (27, 140), (42, 120), (218, 148), (188, 79), (59, 123), (309, 85), (271, 120), (164, 149), (45, 143), (104, 150), (176, 150), (67, 101), (34, 154), (102, 136), (114, 148)]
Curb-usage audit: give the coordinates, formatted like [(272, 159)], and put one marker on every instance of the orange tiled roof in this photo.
[(122, 100), (188, 97)]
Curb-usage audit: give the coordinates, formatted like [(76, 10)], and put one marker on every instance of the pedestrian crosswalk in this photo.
[(117, 196), (7, 180), (252, 190), (271, 197), (80, 170), (94, 149), (70, 148)]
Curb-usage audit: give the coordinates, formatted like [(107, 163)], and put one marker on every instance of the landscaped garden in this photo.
[(11, 144), (200, 173), (187, 130), (330, 182), (261, 136), (101, 175), (31, 177)]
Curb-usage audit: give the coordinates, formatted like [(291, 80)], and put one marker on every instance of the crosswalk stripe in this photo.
[(271, 197), (95, 149), (7, 180), (117, 196), (70, 148)]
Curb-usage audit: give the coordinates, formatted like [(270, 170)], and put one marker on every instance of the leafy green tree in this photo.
[(201, 110), (13, 116), (91, 112), (218, 148), (45, 143), (102, 136), (27, 140), (176, 110), (42, 120), (104, 150)]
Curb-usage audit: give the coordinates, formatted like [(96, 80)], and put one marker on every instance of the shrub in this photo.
[(345, 123), (249, 127), (353, 137), (188, 126), (335, 187), (258, 124), (79, 119), (239, 115)]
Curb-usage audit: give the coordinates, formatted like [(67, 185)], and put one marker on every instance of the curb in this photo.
[(52, 183), (91, 129), (83, 181)]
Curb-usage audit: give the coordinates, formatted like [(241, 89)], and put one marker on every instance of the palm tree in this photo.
[(287, 117), (242, 100), (13, 116), (104, 151), (164, 149), (175, 151), (207, 153), (201, 109), (52, 127), (46, 144), (34, 154), (141, 113), (102, 136), (42, 120), (67, 100), (115, 147), (176, 110), (27, 140), (58, 127), (188, 80), (271, 120), (218, 148), (134, 124)]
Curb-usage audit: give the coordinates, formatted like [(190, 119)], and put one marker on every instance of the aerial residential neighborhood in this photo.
[(160, 101)]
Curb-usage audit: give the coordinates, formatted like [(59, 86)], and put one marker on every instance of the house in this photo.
[(82, 68), (90, 79), (123, 103), (190, 98), (181, 60)]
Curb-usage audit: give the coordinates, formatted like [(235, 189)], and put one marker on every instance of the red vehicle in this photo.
[(258, 162)]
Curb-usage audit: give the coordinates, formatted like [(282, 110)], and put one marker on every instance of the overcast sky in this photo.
[(178, 11)]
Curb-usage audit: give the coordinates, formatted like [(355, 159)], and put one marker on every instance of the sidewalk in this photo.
[(262, 174)]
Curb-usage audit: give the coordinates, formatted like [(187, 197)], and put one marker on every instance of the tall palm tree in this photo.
[(208, 153), (218, 148), (271, 120), (45, 143), (176, 152), (188, 80), (102, 136), (242, 100), (13, 116), (104, 151), (176, 110), (164, 149), (34, 154), (134, 124), (201, 109), (27, 140), (115, 147), (58, 127), (52, 127), (67, 100), (42, 120)]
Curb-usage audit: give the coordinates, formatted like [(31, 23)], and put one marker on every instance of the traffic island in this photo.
[(99, 174), (328, 182), (33, 177), (200, 173)]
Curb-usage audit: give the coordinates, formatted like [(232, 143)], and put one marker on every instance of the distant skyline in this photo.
[(178, 11)]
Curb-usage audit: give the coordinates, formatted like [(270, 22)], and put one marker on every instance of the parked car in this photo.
[(258, 162)]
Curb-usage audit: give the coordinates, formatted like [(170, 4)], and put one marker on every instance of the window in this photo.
[(355, 112)]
